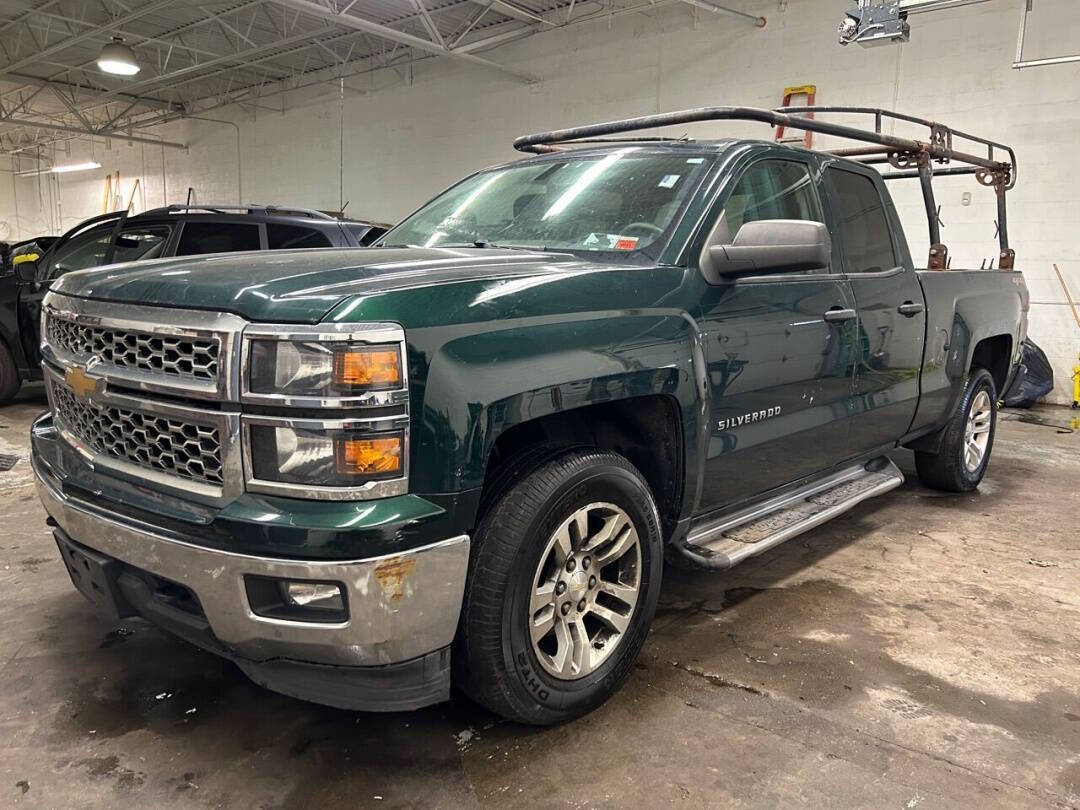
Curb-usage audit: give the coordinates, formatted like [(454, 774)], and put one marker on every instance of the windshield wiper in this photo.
[(484, 243)]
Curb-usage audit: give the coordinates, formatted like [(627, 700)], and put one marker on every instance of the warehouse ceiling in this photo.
[(199, 56)]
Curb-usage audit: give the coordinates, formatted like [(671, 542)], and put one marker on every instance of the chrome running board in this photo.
[(729, 539)]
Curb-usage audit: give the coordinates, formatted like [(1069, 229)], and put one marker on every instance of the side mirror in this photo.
[(773, 246), (26, 272)]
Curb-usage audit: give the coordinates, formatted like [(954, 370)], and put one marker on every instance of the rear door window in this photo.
[(217, 237), (865, 236), (285, 237)]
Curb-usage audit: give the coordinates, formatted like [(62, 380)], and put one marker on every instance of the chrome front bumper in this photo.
[(400, 606)]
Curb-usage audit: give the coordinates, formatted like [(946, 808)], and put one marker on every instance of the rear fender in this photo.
[(957, 350), (964, 308)]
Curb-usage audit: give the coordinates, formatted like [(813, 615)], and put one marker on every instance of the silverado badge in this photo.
[(80, 383), (754, 416)]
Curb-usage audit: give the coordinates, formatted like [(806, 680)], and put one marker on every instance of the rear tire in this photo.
[(573, 545), (960, 463), (9, 375)]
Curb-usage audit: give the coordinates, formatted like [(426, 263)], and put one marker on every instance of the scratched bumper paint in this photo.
[(400, 606)]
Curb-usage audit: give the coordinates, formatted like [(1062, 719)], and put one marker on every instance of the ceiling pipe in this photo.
[(1050, 60), (760, 22), (1020, 63), (239, 152)]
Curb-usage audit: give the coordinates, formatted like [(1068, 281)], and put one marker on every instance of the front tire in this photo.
[(960, 463), (563, 581)]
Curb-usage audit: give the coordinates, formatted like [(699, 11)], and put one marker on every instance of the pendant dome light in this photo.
[(118, 58)]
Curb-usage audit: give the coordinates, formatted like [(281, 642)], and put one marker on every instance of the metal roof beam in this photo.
[(19, 122), (497, 39), (508, 9), (90, 33), (240, 59), (360, 24), (429, 24), (89, 92), (26, 15)]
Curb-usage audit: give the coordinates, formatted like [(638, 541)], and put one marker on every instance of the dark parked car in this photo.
[(175, 230)]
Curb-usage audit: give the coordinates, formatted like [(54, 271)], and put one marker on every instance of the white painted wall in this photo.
[(405, 141)]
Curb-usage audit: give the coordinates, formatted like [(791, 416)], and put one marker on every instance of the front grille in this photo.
[(192, 358), (176, 447)]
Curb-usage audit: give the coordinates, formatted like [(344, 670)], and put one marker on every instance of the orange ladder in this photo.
[(809, 91)]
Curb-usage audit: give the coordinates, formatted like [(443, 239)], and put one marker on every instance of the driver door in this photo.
[(779, 351), (82, 251)]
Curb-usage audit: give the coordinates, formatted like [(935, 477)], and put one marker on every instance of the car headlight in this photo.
[(324, 456), (325, 370), (357, 376)]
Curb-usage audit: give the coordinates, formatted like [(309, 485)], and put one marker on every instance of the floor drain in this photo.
[(7, 462)]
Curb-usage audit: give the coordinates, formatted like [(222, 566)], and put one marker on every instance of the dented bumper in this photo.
[(402, 610)]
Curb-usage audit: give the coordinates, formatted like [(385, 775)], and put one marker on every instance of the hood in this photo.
[(300, 286)]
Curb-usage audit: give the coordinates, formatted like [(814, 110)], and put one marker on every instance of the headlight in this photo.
[(325, 410), (324, 457), (325, 370)]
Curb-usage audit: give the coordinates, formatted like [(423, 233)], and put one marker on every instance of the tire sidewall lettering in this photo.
[(527, 677)]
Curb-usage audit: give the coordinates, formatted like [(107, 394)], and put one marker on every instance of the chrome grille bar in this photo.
[(175, 356), (186, 451), (189, 353)]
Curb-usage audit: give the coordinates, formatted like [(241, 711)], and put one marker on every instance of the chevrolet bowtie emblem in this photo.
[(80, 384)]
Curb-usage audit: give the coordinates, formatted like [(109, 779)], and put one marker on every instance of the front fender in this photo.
[(481, 384)]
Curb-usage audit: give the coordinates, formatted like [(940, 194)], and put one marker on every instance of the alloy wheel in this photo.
[(977, 430), (585, 590)]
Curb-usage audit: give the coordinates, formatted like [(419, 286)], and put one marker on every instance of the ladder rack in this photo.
[(910, 157)]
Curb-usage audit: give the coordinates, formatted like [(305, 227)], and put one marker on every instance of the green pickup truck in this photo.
[(462, 455)]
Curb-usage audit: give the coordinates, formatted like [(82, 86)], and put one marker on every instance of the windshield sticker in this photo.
[(695, 160), (669, 181), (610, 241)]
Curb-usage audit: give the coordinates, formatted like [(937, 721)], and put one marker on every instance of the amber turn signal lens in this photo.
[(368, 368), (369, 456)]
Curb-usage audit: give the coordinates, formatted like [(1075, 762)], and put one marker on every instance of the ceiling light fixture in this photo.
[(118, 58), (76, 167), (70, 167)]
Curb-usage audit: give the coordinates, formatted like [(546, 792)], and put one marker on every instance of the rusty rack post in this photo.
[(909, 157)]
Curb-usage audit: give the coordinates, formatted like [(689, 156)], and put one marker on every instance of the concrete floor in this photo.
[(922, 651)]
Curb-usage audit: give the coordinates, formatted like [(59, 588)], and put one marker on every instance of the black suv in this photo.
[(175, 230)]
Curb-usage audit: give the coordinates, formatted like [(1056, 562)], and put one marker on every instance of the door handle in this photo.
[(839, 314), (909, 309)]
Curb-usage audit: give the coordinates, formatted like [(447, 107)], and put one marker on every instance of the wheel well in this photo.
[(645, 430), (994, 354)]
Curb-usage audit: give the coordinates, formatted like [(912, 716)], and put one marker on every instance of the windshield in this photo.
[(622, 201)]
